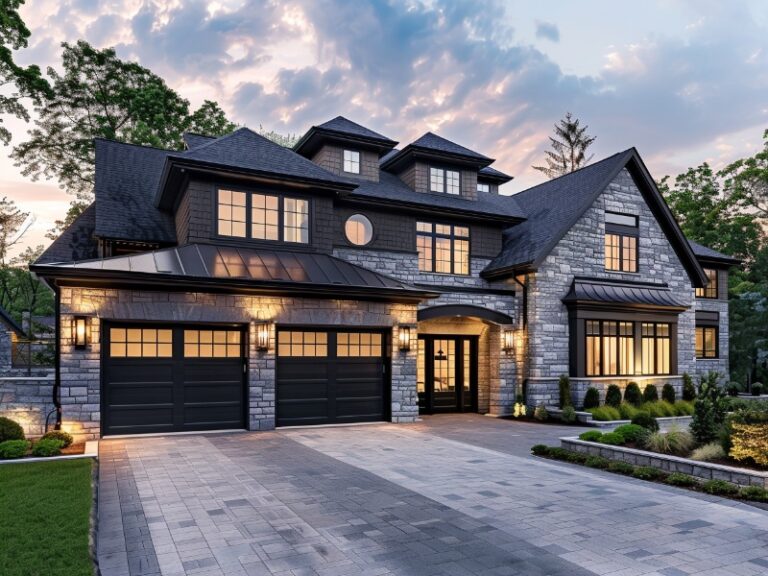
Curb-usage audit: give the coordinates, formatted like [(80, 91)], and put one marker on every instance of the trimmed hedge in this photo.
[(613, 396), (650, 394), (591, 398), (10, 430), (668, 393), (632, 394)]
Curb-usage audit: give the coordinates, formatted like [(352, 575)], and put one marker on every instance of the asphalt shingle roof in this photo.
[(435, 142), (346, 126), (76, 242), (193, 140), (493, 173), (704, 252)]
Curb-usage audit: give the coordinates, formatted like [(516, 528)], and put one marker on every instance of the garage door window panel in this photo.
[(302, 344), (212, 344), (140, 343), (358, 344)]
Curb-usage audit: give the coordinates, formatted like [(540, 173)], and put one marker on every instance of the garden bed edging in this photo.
[(586, 419)]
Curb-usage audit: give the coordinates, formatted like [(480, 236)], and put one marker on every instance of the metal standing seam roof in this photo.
[(602, 291)]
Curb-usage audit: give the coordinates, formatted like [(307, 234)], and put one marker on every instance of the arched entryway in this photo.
[(459, 360)]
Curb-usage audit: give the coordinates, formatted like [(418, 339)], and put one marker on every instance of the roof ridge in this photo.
[(219, 139), (144, 146)]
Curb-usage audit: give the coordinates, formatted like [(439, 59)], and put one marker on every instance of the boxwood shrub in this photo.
[(591, 398), (680, 479), (47, 447), (612, 438), (647, 473), (632, 394), (590, 435), (755, 493), (597, 462), (668, 393), (13, 449), (720, 488), (631, 432), (65, 438), (647, 421), (613, 396), (621, 468), (10, 430), (650, 394), (540, 449)]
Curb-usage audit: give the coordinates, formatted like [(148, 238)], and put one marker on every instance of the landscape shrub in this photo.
[(576, 457), (10, 430), (612, 438), (720, 488), (540, 413), (627, 410), (650, 394), (647, 473), (613, 396), (680, 479), (668, 393), (747, 432), (683, 408), (621, 468), (675, 441), (597, 462), (708, 452), (632, 394), (565, 391), (540, 449), (754, 493), (645, 420), (568, 415), (591, 398), (48, 447), (13, 449), (558, 453), (757, 389), (632, 432), (658, 409), (65, 437), (605, 413), (689, 390), (708, 410), (733, 389), (590, 435)]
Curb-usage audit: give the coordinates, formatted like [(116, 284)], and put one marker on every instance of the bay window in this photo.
[(625, 348), (259, 216)]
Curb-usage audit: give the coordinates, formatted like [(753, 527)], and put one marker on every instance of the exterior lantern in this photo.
[(262, 336), (404, 337), (80, 331), (508, 341)]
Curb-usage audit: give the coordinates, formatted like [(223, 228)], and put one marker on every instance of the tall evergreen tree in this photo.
[(569, 148)]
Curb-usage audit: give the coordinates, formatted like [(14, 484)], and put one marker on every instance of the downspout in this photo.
[(57, 358), (524, 286), (524, 383)]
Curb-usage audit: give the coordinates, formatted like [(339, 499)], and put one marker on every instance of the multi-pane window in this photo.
[(710, 290), (212, 344), (140, 343), (447, 181), (302, 344), (232, 213), (706, 341), (656, 348), (621, 233), (352, 161), (483, 187), (263, 216), (442, 248), (610, 348), (358, 344)]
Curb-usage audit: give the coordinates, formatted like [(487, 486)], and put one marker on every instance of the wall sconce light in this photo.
[(404, 338), (80, 331), (262, 335), (508, 341)]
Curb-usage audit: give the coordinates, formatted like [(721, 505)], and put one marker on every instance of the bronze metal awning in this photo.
[(603, 292)]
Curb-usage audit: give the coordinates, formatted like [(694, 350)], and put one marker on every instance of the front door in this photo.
[(447, 373)]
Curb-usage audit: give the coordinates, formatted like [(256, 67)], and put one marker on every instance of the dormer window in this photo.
[(483, 187), (258, 216), (352, 161), (621, 232), (444, 181)]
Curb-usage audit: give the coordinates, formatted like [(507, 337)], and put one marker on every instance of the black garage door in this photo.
[(329, 377), (172, 378)]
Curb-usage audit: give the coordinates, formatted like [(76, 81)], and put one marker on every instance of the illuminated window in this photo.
[(212, 344), (656, 348), (232, 213), (140, 343), (610, 348), (442, 248), (358, 230), (296, 220), (263, 216), (706, 342), (446, 181), (352, 161), (358, 344), (621, 232), (710, 290), (302, 344)]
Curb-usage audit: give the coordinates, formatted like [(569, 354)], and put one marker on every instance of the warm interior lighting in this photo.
[(81, 333), (404, 338), (262, 336), (508, 344)]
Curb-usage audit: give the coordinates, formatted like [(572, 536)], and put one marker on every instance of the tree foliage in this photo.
[(13, 225), (99, 95), (569, 148)]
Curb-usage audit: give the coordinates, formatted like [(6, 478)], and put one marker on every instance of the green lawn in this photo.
[(44, 518)]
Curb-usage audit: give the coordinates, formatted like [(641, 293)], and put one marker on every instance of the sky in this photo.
[(682, 81)]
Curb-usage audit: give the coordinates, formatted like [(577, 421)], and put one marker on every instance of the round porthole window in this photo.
[(358, 230)]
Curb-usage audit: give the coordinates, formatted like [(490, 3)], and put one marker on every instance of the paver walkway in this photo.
[(406, 500)]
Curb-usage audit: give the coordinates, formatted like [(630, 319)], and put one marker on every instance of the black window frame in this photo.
[(716, 351), (711, 291), (624, 232), (433, 235), (602, 335), (445, 180), (655, 337), (248, 238), (488, 186)]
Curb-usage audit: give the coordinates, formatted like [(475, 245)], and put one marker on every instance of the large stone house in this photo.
[(240, 284)]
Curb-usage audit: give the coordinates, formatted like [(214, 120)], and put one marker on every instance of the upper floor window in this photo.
[(447, 181), (621, 231), (262, 216), (706, 342), (710, 290), (442, 248), (358, 230), (483, 187), (352, 161)]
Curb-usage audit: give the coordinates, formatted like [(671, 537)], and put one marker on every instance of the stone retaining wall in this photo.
[(702, 470), (27, 400)]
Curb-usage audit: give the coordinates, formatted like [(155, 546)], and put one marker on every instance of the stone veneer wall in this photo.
[(6, 350), (581, 253), (27, 400), (80, 369), (719, 364)]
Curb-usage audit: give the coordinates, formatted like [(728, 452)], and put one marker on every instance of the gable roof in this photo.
[(433, 146), (193, 140), (76, 242), (346, 126), (342, 130), (709, 255), (494, 175), (552, 209)]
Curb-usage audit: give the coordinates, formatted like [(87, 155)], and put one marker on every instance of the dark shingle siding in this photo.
[(391, 231)]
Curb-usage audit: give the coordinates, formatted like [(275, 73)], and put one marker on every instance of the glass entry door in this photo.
[(447, 373)]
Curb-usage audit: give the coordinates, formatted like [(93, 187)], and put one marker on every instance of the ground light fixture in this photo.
[(80, 331), (404, 337), (262, 335)]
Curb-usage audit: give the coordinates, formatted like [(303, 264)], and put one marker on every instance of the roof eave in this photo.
[(420, 152), (507, 271), (309, 143)]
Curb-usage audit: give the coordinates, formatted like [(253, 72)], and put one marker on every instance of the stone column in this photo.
[(503, 374), (405, 398)]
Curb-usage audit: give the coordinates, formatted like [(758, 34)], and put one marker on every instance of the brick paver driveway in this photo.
[(450, 495)]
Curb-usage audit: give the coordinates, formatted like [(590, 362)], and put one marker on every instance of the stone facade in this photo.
[(719, 305), (6, 350), (581, 253), (28, 400)]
